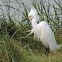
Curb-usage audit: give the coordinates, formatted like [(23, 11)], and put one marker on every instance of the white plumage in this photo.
[(43, 31)]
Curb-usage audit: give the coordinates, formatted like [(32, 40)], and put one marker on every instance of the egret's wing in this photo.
[(30, 32)]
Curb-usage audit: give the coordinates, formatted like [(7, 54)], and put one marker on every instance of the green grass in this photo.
[(17, 47), (12, 51)]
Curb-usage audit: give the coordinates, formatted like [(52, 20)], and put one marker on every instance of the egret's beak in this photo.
[(26, 18)]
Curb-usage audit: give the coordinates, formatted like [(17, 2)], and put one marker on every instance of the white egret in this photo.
[(43, 32)]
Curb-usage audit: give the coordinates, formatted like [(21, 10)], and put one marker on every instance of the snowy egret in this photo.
[(43, 32)]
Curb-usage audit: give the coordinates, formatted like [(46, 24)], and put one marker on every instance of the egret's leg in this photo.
[(47, 51)]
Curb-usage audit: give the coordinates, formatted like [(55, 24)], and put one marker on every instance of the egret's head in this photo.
[(32, 13)]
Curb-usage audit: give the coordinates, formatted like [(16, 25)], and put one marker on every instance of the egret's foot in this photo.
[(47, 51)]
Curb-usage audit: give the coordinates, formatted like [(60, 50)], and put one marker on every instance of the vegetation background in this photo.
[(15, 45)]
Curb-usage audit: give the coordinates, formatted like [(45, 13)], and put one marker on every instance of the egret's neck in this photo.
[(34, 21)]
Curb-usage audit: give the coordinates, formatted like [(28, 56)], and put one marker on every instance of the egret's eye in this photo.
[(29, 16)]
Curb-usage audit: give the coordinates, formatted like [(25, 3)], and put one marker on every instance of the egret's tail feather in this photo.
[(55, 47), (59, 46)]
